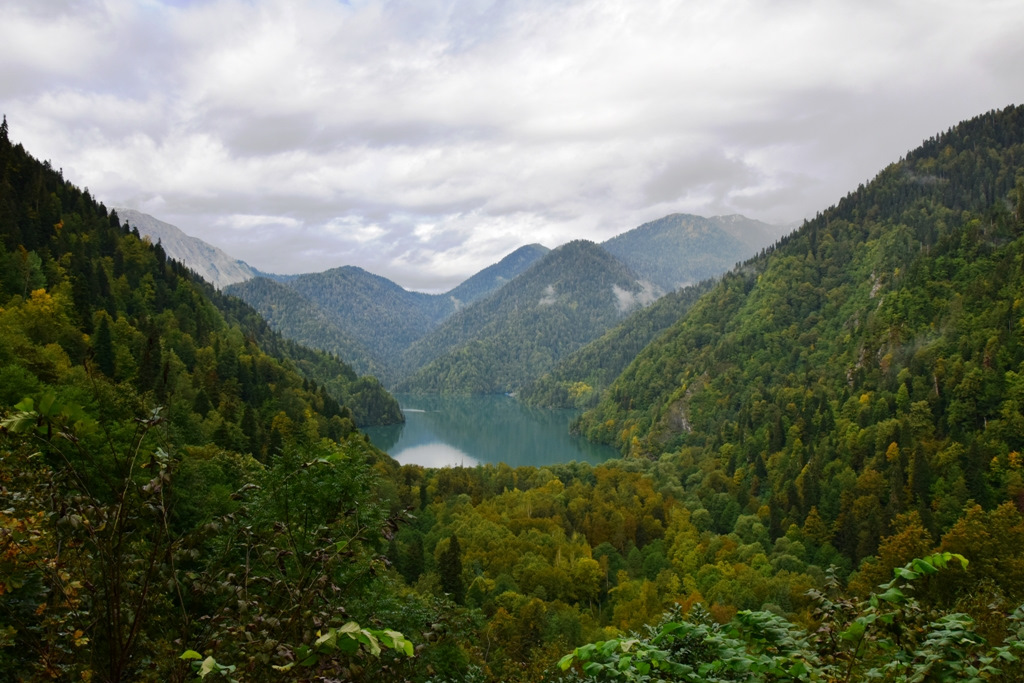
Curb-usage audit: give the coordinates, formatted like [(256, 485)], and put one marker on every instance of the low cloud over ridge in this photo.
[(425, 140)]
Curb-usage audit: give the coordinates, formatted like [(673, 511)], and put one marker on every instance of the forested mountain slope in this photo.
[(681, 249), (866, 367), (578, 379), (495, 276), (376, 312), (500, 343), (298, 318), (83, 295), (368, 320)]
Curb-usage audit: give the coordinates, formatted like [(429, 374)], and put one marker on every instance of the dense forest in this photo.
[(367, 319), (821, 476), (867, 367), (500, 343), (578, 380), (298, 318)]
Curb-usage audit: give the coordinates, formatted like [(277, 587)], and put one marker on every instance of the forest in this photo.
[(821, 476)]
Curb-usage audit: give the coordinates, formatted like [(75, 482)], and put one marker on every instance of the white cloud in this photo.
[(425, 139)]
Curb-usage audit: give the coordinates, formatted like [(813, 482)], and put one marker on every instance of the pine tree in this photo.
[(150, 365), (103, 348), (450, 567)]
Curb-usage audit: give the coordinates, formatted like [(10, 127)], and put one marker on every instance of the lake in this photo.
[(453, 431)]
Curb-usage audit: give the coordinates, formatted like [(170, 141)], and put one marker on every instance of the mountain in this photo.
[(578, 379), (115, 314), (502, 342), (681, 249), (373, 311), (865, 367), (307, 323), (212, 264), (495, 276), (364, 318)]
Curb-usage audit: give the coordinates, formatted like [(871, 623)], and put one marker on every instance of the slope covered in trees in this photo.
[(499, 344), (495, 276), (868, 366), (368, 320), (578, 380), (298, 318), (83, 294)]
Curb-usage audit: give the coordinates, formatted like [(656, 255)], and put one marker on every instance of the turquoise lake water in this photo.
[(447, 431)]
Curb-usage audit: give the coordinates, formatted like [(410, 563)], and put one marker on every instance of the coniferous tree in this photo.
[(450, 567), (103, 348)]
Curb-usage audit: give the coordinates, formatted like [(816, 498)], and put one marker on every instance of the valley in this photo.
[(502, 328), (816, 441)]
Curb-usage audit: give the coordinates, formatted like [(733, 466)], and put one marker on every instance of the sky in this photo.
[(423, 140)]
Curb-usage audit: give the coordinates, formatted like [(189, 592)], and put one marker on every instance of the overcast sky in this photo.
[(425, 139)]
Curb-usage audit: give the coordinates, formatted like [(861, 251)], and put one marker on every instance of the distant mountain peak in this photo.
[(681, 249), (211, 263)]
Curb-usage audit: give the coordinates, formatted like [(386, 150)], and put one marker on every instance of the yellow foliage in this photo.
[(892, 453), (578, 389)]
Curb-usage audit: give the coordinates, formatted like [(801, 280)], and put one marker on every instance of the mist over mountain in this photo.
[(578, 380)]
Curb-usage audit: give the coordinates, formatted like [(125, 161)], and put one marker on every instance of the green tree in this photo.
[(103, 348), (450, 569)]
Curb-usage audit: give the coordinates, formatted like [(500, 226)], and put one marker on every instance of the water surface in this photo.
[(453, 431)]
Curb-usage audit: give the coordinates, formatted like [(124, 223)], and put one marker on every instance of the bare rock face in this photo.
[(211, 263)]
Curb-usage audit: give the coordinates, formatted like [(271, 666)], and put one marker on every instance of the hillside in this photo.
[(500, 343), (864, 368), (85, 297), (681, 249), (578, 380), (367, 319), (211, 263), (495, 276), (298, 318)]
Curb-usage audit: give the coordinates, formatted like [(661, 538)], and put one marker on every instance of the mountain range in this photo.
[(426, 341), (822, 453), (503, 341)]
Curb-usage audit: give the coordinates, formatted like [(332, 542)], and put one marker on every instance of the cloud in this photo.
[(425, 139)]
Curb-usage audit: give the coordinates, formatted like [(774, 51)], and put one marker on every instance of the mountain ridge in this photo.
[(682, 249), (210, 262), (876, 343), (499, 343)]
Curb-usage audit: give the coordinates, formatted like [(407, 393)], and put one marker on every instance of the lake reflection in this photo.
[(447, 431)]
